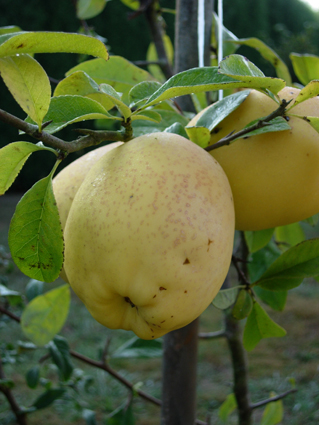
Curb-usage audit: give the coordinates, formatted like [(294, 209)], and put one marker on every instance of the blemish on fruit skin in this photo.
[(162, 321), (154, 296), (185, 292), (161, 288), (186, 261)]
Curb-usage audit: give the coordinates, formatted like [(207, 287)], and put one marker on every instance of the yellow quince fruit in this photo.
[(149, 236), (274, 176)]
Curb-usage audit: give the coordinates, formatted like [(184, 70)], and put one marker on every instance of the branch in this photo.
[(21, 416), (9, 314), (241, 274), (225, 141), (272, 399), (91, 139)]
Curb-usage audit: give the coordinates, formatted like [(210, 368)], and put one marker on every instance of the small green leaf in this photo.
[(225, 298), (258, 239), (35, 233), (86, 9), (239, 67), (229, 39), (148, 115), (258, 326), (133, 4), (139, 348), (305, 66), (273, 413), (311, 90), (28, 84), (33, 377), (34, 288), (270, 55), (294, 265), (229, 405), (289, 235), (199, 135), (12, 158), (45, 315), (7, 383), (110, 92), (276, 124), (118, 72), (9, 29), (169, 117), (66, 110), (142, 91), (176, 128), (243, 305), (48, 397), (260, 260), (275, 299), (60, 354), (50, 42)]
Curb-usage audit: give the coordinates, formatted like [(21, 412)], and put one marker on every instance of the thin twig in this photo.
[(272, 399), (9, 314), (92, 139), (259, 124), (241, 274)]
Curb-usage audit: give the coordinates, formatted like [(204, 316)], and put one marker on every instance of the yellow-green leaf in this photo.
[(45, 315), (51, 42), (273, 413), (86, 9), (306, 67), (28, 84)]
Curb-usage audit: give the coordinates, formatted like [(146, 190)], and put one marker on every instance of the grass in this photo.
[(272, 364)]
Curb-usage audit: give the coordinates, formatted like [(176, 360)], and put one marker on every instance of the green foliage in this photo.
[(136, 347), (44, 317), (35, 235), (227, 407), (306, 67), (273, 413), (258, 239), (86, 9)]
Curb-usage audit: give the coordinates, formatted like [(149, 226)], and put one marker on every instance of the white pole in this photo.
[(220, 39), (201, 32)]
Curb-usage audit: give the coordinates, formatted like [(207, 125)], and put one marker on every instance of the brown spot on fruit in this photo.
[(162, 321), (154, 296), (161, 288), (186, 261), (127, 299), (185, 292)]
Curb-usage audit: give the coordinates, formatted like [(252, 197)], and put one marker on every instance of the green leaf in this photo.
[(176, 128), (123, 415), (225, 298), (33, 376), (5, 292), (311, 90), (118, 72), (289, 235), (243, 305), (9, 29), (294, 265), (275, 299), (241, 68), (45, 315), (258, 239), (270, 55), (139, 348), (273, 413), (276, 124), (133, 4), (229, 405), (148, 115), (151, 56), (66, 110), (89, 417), (50, 42), (12, 158), (258, 326), (28, 84), (169, 117), (229, 39), (110, 92), (7, 383), (34, 288), (199, 135), (86, 9), (306, 67), (142, 91), (35, 233), (208, 79), (260, 260), (60, 354), (48, 397)]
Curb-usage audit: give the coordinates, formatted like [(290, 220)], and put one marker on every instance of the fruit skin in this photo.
[(149, 237), (274, 177), (67, 182)]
